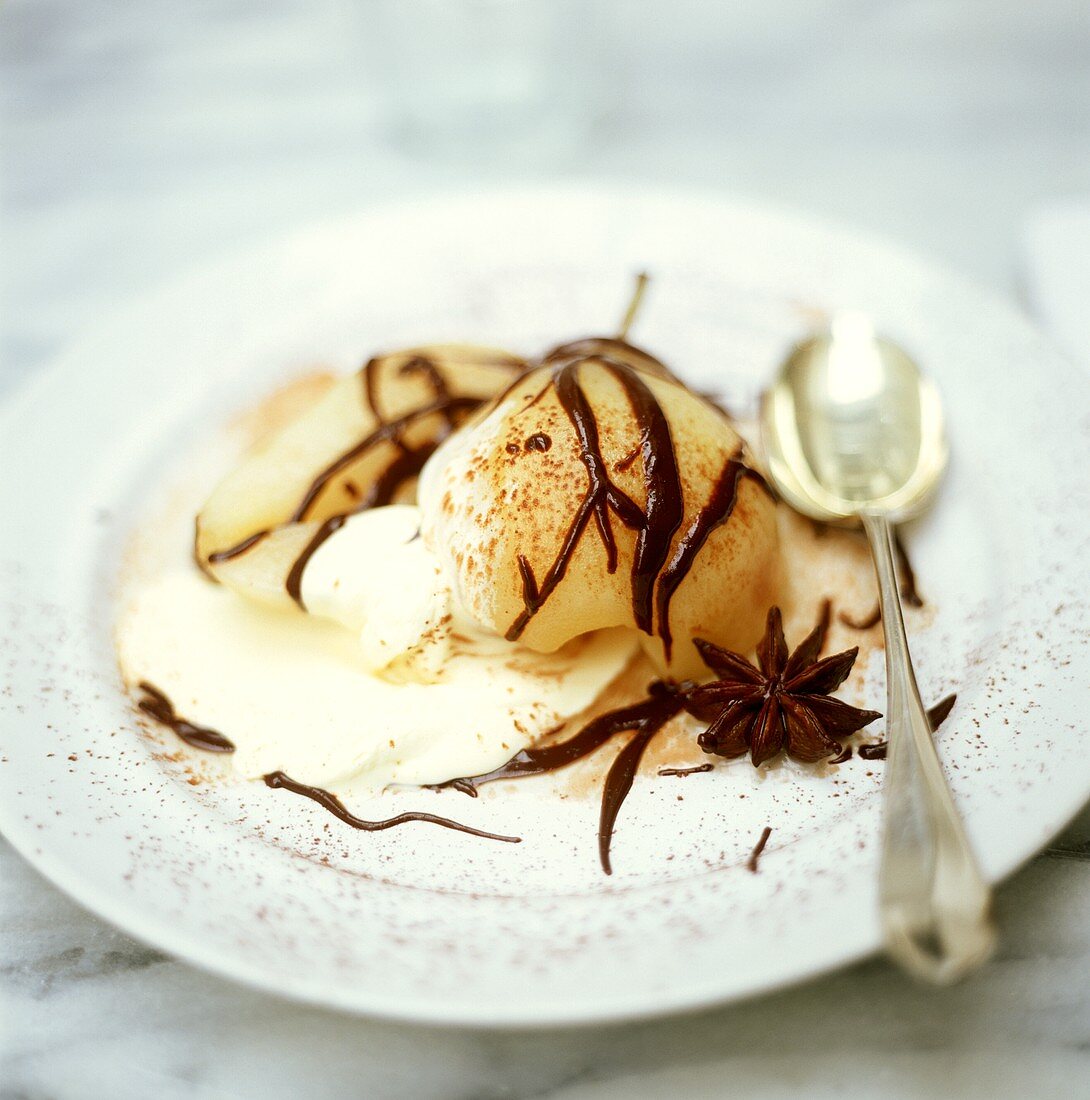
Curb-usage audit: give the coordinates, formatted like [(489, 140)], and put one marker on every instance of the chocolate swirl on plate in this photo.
[(155, 704)]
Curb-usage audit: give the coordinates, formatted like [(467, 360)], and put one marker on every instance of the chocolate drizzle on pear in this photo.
[(238, 549), (714, 514), (656, 575), (409, 460)]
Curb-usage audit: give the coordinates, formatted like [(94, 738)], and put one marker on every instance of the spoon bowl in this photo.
[(851, 425), (854, 433)]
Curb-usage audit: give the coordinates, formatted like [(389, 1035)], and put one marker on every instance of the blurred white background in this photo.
[(140, 140)]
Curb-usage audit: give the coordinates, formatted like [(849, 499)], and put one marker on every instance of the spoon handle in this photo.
[(935, 905)]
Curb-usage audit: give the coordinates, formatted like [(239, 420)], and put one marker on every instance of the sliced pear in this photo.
[(361, 443)]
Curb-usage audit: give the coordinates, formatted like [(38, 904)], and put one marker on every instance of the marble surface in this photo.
[(139, 141)]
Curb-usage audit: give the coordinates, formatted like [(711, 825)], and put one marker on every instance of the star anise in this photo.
[(781, 704)]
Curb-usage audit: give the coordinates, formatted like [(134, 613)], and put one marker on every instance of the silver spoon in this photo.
[(853, 432)]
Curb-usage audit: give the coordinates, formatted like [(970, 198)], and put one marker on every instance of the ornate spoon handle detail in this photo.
[(935, 904)]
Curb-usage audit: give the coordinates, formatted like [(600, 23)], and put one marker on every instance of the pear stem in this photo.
[(642, 280)]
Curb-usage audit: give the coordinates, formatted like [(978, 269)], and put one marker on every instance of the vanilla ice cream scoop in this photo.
[(376, 577), (596, 492)]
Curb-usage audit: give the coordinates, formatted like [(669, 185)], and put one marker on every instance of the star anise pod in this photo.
[(781, 704)]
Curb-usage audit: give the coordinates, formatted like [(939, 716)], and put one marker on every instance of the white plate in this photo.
[(426, 925)]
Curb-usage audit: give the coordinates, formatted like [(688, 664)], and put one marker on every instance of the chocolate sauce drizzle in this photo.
[(872, 619), (614, 348), (682, 772), (624, 463), (714, 514), (653, 580), (665, 508), (620, 776), (755, 855), (644, 718), (601, 498), (936, 715), (388, 431), (293, 584), (462, 785), (238, 549), (280, 781), (156, 705), (909, 592)]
